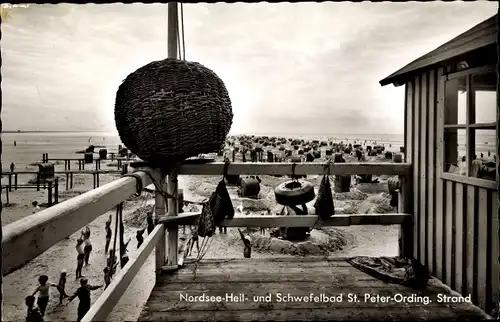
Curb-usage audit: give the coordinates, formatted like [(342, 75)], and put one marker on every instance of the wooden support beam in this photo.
[(217, 168), (53, 224), (159, 213), (406, 236), (111, 295), (292, 221), (173, 210)]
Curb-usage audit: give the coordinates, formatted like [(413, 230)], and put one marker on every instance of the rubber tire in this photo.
[(294, 196)]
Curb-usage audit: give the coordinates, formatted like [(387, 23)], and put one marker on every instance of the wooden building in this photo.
[(450, 135)]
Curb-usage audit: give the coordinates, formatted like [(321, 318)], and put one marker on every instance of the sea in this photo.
[(30, 146)]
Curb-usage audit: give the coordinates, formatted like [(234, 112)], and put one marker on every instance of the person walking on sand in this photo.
[(43, 297), (33, 313), (83, 293), (107, 228), (87, 248), (61, 286), (79, 258), (12, 167), (36, 207)]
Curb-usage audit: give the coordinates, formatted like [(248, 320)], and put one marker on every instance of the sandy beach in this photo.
[(345, 241)]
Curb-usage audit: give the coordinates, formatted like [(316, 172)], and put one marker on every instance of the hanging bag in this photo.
[(221, 204), (206, 224), (324, 203)]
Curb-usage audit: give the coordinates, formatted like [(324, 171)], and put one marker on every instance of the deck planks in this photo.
[(294, 276)]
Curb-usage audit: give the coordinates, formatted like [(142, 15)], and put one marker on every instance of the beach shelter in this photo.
[(451, 136)]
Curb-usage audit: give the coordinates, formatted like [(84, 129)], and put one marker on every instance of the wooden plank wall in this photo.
[(455, 226)]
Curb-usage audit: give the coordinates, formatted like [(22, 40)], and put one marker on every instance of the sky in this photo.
[(289, 68)]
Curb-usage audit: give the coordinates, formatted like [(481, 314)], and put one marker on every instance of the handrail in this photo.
[(285, 168), (292, 221), (38, 232), (111, 295)]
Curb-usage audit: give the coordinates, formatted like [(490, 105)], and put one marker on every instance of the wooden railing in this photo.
[(36, 233)]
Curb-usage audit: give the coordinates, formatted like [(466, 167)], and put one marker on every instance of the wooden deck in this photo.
[(238, 281)]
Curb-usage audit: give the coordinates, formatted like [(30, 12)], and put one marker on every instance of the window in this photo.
[(470, 123)]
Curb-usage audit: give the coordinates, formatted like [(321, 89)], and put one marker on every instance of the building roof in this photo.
[(481, 35)]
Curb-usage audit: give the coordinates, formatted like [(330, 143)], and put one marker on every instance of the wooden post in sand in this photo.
[(67, 180), (15, 181), (6, 194), (10, 181)]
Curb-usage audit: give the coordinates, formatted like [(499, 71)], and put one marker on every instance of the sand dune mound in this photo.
[(320, 242)]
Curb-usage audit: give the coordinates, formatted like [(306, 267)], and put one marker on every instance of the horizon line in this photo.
[(241, 133)]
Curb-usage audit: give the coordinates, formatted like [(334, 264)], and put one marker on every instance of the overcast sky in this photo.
[(289, 68)]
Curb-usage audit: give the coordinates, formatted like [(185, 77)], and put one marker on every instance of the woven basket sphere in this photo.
[(170, 110)]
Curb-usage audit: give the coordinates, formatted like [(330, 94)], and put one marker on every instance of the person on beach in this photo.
[(12, 167), (140, 237), (83, 293), (108, 234), (87, 248), (36, 207), (79, 258), (109, 270), (61, 286), (33, 313), (86, 233), (149, 220), (43, 297)]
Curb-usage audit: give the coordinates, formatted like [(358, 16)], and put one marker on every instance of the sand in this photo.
[(345, 241)]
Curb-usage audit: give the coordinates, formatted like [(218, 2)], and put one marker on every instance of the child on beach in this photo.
[(36, 208), (108, 234), (43, 297), (108, 273), (61, 286), (79, 258), (83, 293), (33, 314), (87, 248)]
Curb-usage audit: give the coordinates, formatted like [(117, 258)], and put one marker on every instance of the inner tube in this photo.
[(292, 193)]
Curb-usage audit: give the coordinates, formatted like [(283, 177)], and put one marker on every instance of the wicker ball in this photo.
[(170, 110)]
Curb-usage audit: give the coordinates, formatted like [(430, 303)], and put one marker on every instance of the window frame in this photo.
[(470, 126)]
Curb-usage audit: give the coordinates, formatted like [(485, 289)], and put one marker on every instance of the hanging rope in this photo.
[(181, 47), (183, 39), (112, 262)]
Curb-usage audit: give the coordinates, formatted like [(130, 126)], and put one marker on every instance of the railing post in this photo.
[(173, 210), (159, 212), (405, 206)]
